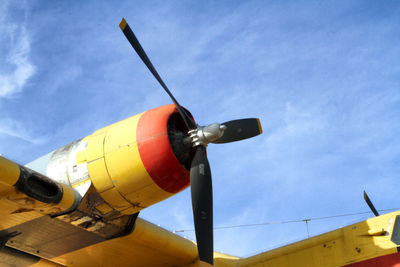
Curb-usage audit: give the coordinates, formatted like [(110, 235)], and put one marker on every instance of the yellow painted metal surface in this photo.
[(12, 212), (99, 175), (68, 198), (220, 260), (148, 245), (224, 260), (45, 263), (114, 198), (125, 165), (116, 168), (122, 24), (122, 156), (18, 207), (9, 171), (95, 148), (347, 245), (104, 208), (259, 126)]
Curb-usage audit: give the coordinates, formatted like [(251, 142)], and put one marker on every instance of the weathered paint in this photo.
[(131, 163), (16, 181), (60, 166)]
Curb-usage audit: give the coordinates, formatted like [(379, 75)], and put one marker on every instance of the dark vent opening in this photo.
[(39, 186), (177, 132), (42, 187)]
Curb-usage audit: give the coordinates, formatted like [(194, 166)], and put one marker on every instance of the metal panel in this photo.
[(13, 257), (49, 237)]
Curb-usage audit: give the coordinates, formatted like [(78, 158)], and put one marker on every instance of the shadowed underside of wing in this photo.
[(35, 228), (147, 245), (64, 244)]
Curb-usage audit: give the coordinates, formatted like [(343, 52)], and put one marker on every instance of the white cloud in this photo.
[(15, 129), (16, 68)]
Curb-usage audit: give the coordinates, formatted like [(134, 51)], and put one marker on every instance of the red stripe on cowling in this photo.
[(156, 152), (390, 260)]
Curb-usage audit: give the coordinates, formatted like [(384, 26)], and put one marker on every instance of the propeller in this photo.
[(200, 172), (237, 130), (139, 50)]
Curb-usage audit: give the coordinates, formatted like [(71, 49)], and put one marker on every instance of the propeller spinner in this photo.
[(200, 172)]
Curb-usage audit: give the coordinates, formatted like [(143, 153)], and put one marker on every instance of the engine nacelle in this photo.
[(132, 164)]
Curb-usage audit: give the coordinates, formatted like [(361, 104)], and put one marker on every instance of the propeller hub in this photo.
[(203, 135)]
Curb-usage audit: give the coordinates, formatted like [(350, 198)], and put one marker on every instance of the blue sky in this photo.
[(323, 77)]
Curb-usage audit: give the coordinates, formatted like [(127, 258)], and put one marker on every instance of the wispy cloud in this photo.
[(16, 68), (15, 129)]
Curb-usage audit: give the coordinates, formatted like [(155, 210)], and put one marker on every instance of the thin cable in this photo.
[(284, 222)]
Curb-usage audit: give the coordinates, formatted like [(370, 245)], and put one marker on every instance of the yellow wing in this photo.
[(36, 232), (44, 223), (65, 244)]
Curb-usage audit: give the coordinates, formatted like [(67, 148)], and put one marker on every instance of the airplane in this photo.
[(79, 205)]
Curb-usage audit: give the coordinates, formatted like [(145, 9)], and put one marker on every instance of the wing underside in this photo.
[(30, 235), (68, 243)]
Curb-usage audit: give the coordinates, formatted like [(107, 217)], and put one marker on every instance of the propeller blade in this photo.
[(201, 190), (237, 130), (370, 205), (139, 50)]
